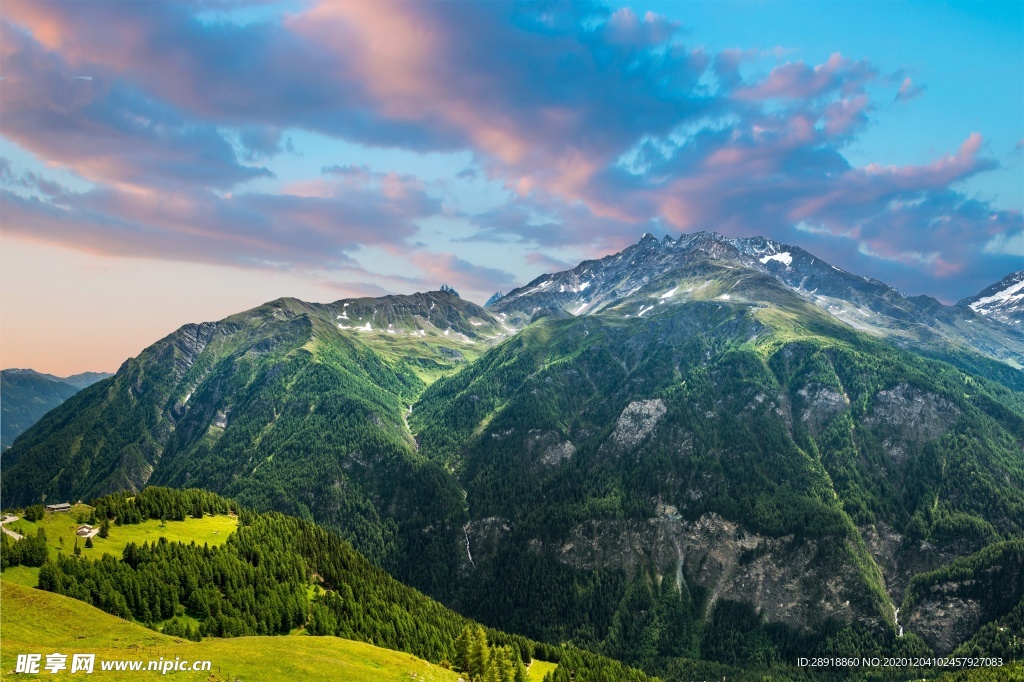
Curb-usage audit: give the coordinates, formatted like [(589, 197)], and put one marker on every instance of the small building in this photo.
[(62, 507), (84, 530)]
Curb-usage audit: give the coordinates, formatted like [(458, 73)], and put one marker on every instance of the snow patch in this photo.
[(671, 292), (785, 258), (1007, 295), (644, 310)]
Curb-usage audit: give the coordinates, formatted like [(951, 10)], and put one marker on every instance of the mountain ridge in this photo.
[(864, 303)]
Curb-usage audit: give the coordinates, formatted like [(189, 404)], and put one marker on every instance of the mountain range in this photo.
[(686, 443), (26, 395)]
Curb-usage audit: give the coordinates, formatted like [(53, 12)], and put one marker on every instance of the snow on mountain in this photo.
[(708, 265), (1003, 301)]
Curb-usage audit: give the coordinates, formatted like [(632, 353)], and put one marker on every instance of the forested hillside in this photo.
[(274, 575), (762, 481), (287, 407)]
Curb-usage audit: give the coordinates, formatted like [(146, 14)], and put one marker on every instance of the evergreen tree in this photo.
[(479, 655), (520, 671), (462, 649), (105, 528), (88, 542)]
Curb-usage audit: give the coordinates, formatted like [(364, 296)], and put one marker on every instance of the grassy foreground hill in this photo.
[(38, 622)]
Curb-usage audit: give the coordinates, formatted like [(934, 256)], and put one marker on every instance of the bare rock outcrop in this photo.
[(549, 446), (637, 422), (783, 577), (905, 415)]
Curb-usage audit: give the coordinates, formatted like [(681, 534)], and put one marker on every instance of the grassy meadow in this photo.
[(61, 529), (34, 621)]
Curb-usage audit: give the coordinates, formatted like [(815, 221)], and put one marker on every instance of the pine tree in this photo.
[(501, 662), (105, 528), (462, 649), (520, 672), (77, 550), (479, 655), (491, 674), (88, 542)]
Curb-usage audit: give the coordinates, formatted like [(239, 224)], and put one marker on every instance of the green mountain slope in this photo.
[(748, 468), (284, 407), (274, 575)]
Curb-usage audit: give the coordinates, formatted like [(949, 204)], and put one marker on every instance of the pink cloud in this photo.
[(908, 90), (797, 80)]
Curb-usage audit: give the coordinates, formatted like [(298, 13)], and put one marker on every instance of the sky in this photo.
[(166, 163)]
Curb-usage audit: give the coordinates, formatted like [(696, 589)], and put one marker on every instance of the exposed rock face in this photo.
[(637, 422), (899, 563), (944, 620), (906, 415), (451, 354), (484, 535), (780, 576), (821, 404), (188, 343), (549, 446)]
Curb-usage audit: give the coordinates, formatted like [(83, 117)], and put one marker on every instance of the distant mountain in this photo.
[(655, 273), (85, 378), (1003, 301), (26, 395)]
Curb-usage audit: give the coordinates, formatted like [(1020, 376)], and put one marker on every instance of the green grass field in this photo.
[(213, 530), (22, 575), (538, 669), (34, 621)]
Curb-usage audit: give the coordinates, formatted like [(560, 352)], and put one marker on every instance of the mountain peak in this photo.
[(449, 290), (1002, 301), (652, 276)]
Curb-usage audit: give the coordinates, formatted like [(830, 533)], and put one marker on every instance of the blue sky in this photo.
[(339, 149)]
